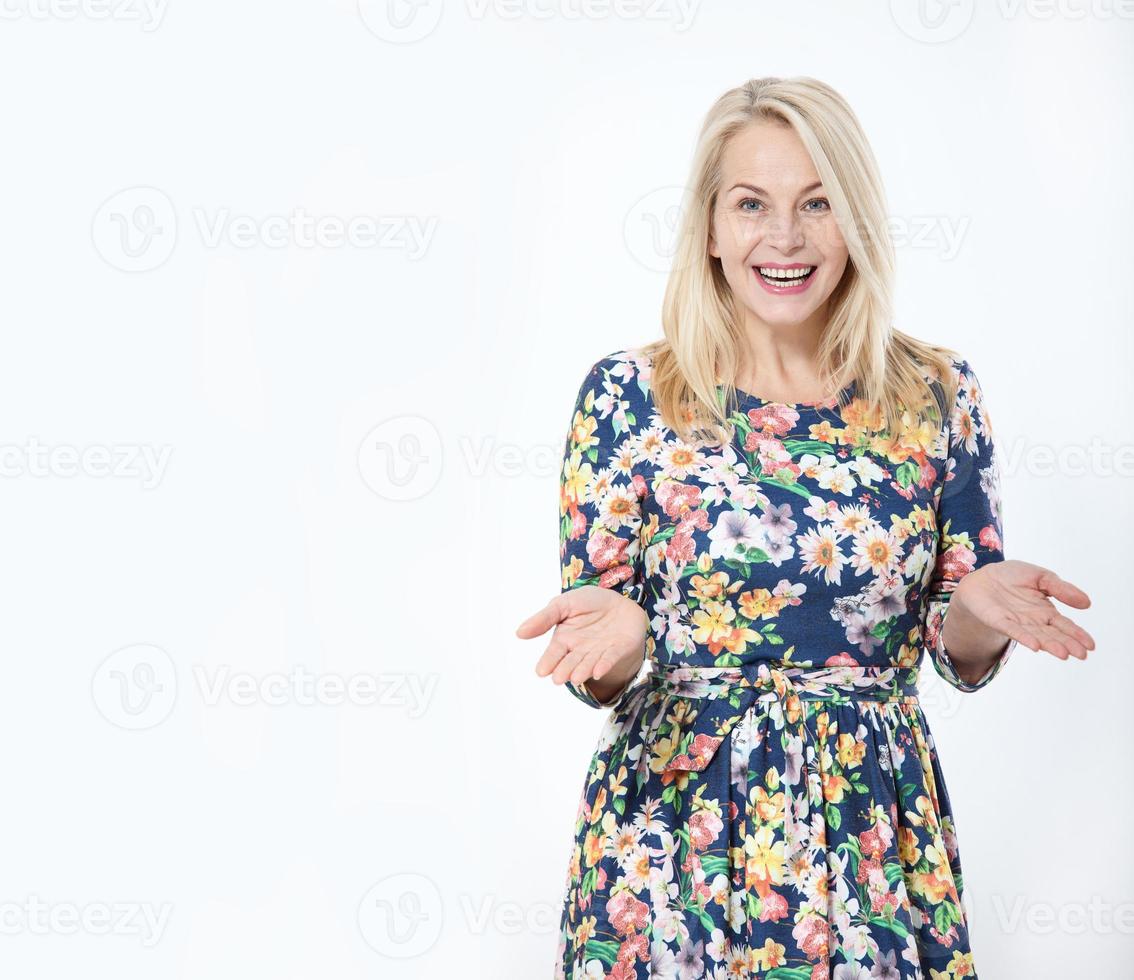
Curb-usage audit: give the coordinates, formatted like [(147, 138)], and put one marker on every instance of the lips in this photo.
[(777, 278)]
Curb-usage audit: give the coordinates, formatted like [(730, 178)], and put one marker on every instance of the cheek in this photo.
[(735, 238)]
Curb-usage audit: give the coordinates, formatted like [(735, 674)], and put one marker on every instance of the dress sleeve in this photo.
[(969, 522), (600, 495)]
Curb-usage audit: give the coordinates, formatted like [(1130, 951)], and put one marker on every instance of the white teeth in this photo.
[(785, 273)]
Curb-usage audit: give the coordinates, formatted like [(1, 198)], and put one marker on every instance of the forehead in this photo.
[(769, 155)]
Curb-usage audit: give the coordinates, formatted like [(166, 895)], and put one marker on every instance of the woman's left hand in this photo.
[(1014, 598)]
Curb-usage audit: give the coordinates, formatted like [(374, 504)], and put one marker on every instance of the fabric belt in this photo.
[(702, 704)]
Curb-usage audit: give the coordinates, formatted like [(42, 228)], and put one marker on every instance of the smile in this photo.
[(784, 279)]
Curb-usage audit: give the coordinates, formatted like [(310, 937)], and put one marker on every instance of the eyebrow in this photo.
[(760, 190)]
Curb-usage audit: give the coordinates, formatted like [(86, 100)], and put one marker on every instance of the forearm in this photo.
[(973, 647)]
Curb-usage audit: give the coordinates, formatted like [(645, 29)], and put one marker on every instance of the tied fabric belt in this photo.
[(704, 703)]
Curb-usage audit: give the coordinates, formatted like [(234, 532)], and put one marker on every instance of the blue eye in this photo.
[(819, 200), (748, 200)]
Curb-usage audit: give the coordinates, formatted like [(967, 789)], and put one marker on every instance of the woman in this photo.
[(779, 505)]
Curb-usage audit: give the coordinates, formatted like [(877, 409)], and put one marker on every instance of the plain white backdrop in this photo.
[(297, 298)]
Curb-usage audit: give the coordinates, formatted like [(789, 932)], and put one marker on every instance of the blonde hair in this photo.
[(701, 326)]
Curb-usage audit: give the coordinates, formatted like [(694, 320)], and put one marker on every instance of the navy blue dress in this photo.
[(765, 799)]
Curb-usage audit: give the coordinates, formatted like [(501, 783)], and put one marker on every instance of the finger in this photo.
[(1051, 641), (585, 669), (557, 649), (1063, 590), (540, 622), (567, 666), (1074, 632)]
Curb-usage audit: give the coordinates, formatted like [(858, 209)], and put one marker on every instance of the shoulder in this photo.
[(622, 375), (958, 380)]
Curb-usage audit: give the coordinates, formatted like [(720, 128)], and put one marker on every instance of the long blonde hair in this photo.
[(701, 326)]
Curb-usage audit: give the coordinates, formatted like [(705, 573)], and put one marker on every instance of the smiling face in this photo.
[(773, 229)]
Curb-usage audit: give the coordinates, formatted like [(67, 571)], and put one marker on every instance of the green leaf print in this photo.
[(907, 473), (793, 487), (602, 949), (715, 864), (892, 924), (790, 973), (834, 817), (945, 916), (797, 447)]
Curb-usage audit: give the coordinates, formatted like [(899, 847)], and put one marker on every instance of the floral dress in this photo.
[(765, 799)]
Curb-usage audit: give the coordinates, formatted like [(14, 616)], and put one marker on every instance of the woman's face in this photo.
[(772, 224)]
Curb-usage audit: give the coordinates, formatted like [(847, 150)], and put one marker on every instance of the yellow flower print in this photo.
[(712, 622), (923, 518), (850, 751), (618, 782), (737, 640), (571, 571), (769, 956), (593, 847), (766, 809), (600, 802), (835, 787), (908, 850), (765, 864), (760, 603), (824, 432), (709, 589), (586, 930), (859, 413), (662, 749), (583, 428), (889, 446), (926, 815), (962, 964)]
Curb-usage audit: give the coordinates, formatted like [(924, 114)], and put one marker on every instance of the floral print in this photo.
[(766, 800)]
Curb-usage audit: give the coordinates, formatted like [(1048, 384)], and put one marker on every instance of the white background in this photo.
[(353, 451)]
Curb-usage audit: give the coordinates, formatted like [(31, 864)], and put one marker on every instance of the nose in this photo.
[(784, 231)]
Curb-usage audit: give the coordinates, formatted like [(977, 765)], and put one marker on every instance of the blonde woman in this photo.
[(779, 506)]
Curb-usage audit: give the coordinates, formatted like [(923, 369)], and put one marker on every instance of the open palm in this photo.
[(1014, 598), (598, 632)]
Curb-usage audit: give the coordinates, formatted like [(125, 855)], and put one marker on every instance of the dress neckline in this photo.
[(747, 398)]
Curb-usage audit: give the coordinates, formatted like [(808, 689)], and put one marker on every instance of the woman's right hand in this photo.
[(599, 634)]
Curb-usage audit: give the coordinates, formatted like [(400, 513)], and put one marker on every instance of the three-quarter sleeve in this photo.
[(969, 520), (600, 495)]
